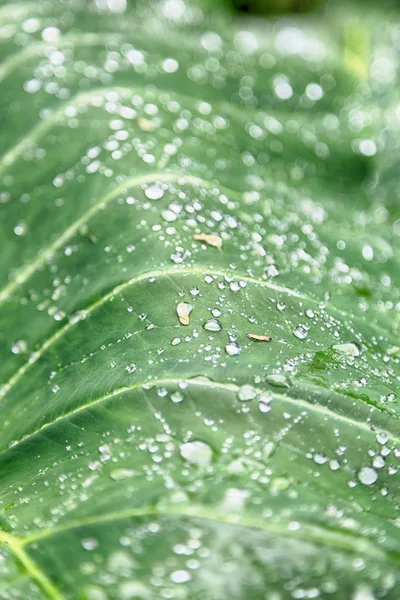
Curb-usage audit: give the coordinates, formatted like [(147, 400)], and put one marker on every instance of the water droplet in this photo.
[(169, 215), (367, 476), (19, 347), (176, 397), (320, 459), (278, 380), (131, 590), (170, 65), (363, 593), (233, 349), (89, 543), (120, 474), (131, 368), (212, 325), (234, 500), (368, 252), (153, 192), (59, 315), (197, 453), (120, 563), (20, 229), (301, 332), (349, 349), (77, 316), (94, 592), (180, 576), (265, 399), (268, 450), (279, 484), (382, 438), (264, 408), (367, 147), (246, 393)]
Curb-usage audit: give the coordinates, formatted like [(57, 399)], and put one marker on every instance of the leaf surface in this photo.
[(241, 169)]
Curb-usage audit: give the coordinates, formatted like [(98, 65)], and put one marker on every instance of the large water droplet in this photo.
[(197, 453), (278, 380), (367, 476), (176, 397), (349, 349), (89, 543), (233, 349), (300, 332), (180, 576), (246, 393), (153, 192), (212, 325)]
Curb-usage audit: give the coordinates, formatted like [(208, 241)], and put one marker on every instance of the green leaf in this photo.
[(162, 155)]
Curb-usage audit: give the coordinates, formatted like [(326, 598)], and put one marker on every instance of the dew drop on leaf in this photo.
[(20, 229), (212, 325), (197, 453), (367, 475), (278, 380), (233, 349), (247, 392), (263, 407), (121, 564), (349, 349), (19, 347), (120, 474), (89, 543), (180, 576), (234, 500), (176, 397), (154, 192), (300, 332)]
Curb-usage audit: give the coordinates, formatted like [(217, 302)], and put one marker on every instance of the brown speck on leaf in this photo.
[(209, 238), (259, 338), (183, 311)]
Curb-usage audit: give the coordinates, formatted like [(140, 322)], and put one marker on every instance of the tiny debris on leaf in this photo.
[(259, 338), (209, 238), (183, 311)]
